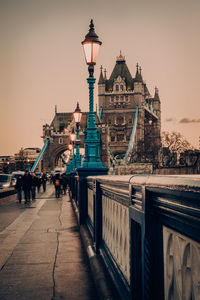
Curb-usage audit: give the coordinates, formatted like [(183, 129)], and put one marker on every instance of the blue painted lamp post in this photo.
[(77, 117), (28, 165), (92, 164), (91, 46), (73, 138), (69, 164)]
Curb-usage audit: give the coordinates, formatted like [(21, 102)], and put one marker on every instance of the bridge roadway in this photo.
[(41, 255)]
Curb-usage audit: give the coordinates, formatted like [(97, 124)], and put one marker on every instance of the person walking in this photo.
[(64, 183), (57, 184), (33, 186), (44, 181), (38, 183), (18, 187), (26, 185)]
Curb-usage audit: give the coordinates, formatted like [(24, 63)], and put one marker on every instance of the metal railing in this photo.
[(147, 230)]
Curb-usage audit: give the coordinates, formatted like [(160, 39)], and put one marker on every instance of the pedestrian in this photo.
[(26, 185), (64, 183), (44, 181), (18, 187), (57, 184), (38, 183), (33, 186)]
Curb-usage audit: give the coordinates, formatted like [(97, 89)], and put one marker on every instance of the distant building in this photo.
[(26, 157), (5, 163)]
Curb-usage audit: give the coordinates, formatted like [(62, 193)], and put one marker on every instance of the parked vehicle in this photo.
[(6, 181), (15, 174)]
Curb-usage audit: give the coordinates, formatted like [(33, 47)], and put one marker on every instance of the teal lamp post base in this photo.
[(92, 139)]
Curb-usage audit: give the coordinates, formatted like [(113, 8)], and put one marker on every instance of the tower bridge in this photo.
[(129, 120)]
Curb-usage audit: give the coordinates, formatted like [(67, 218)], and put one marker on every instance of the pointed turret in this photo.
[(121, 70), (105, 77), (156, 95), (101, 79), (138, 75)]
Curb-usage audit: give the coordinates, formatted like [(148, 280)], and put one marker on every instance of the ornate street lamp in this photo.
[(69, 164), (77, 117), (73, 138), (28, 165), (91, 46)]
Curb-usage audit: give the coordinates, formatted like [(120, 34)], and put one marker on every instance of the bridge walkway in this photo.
[(41, 254)]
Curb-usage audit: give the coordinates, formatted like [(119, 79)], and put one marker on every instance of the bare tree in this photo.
[(175, 142)]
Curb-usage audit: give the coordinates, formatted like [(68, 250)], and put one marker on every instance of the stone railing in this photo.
[(147, 230)]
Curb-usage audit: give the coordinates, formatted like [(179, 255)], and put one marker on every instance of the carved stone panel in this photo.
[(90, 205), (116, 233), (181, 266)]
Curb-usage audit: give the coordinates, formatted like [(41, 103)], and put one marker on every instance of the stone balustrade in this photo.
[(147, 230)]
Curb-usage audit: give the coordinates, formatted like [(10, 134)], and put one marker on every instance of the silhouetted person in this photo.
[(18, 187), (64, 182), (57, 184), (27, 183), (39, 180), (33, 186), (44, 181)]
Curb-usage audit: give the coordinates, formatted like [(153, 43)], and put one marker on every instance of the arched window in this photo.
[(117, 87), (60, 141), (120, 120), (120, 137)]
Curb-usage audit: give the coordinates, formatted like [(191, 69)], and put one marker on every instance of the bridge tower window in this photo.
[(120, 120), (120, 137), (117, 87), (60, 141), (121, 87)]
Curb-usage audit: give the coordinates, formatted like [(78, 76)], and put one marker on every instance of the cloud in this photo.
[(187, 120), (169, 120)]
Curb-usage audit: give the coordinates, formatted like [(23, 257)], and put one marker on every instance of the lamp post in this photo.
[(8, 169), (77, 117), (68, 169), (91, 46), (73, 138), (28, 165)]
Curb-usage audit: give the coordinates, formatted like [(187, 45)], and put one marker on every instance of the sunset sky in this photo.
[(42, 62)]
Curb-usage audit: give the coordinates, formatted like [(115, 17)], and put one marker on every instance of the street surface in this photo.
[(41, 255)]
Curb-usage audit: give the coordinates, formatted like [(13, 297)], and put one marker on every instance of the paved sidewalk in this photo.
[(41, 255)]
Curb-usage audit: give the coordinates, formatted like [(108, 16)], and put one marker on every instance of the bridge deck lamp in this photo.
[(91, 46), (28, 165), (77, 117)]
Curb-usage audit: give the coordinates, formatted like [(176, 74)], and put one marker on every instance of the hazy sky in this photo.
[(42, 62)]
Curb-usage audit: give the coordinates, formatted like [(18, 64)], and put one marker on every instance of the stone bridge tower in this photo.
[(58, 133), (118, 97)]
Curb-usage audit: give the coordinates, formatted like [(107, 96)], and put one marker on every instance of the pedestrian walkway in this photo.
[(41, 255)]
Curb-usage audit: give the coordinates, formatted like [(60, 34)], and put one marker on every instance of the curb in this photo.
[(103, 283)]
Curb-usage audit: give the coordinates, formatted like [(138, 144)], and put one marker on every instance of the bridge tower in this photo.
[(119, 96), (58, 133)]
